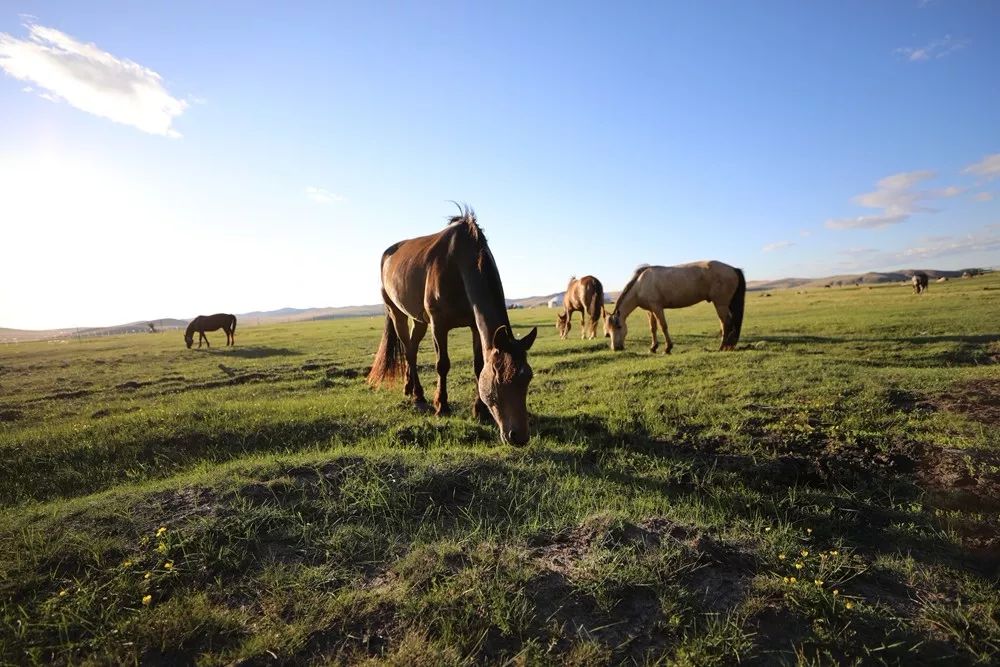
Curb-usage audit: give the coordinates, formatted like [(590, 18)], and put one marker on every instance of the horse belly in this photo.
[(405, 289)]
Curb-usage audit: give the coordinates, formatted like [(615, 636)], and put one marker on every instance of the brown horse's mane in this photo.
[(465, 223), (572, 279), (631, 283), (467, 217)]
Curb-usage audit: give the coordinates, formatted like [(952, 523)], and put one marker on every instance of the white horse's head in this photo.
[(616, 328)]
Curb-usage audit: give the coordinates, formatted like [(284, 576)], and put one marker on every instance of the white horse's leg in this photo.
[(725, 321), (652, 331), (666, 334)]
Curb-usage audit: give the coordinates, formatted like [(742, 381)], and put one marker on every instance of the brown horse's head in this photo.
[(503, 384), (616, 327), (188, 340), (562, 324)]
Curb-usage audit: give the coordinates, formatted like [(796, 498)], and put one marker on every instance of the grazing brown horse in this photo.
[(587, 296), (204, 323), (919, 282), (449, 280), (654, 288)]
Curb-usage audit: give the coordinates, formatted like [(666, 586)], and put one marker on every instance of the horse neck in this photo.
[(627, 303), (485, 294), (190, 330)]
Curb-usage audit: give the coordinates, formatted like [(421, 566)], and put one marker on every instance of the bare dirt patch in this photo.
[(978, 400), (961, 478)]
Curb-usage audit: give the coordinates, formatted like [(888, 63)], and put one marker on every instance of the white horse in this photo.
[(654, 288)]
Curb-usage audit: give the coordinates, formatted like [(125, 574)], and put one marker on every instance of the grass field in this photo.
[(828, 493)]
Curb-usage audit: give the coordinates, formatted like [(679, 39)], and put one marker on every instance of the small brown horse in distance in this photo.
[(919, 282), (446, 281), (204, 323), (587, 296), (654, 288)]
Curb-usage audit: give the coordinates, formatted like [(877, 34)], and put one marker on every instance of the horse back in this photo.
[(424, 269), (687, 284)]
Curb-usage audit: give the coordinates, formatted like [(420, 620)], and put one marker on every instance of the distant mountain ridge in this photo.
[(304, 314)]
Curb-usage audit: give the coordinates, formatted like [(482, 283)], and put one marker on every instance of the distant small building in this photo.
[(556, 301)]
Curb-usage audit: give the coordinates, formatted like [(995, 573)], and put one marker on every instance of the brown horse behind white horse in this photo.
[(204, 323), (654, 288), (587, 296)]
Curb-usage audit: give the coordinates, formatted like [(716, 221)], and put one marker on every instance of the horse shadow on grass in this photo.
[(253, 352)]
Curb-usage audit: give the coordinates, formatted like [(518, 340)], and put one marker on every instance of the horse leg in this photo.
[(666, 334), (652, 332), (479, 409), (725, 321), (443, 366), (401, 323), (583, 324), (412, 347)]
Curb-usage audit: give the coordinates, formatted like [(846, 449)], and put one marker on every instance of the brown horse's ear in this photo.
[(502, 337), (529, 340)]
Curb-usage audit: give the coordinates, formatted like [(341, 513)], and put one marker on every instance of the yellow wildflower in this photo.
[(804, 553), (785, 579), (147, 575), (161, 547), (147, 600), (835, 592), (767, 529), (834, 553), (798, 566), (160, 531), (818, 582), (792, 579), (169, 565), (63, 593), (849, 604), (809, 531), (781, 556)]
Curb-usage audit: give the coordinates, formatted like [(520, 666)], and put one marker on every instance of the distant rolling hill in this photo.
[(303, 314)]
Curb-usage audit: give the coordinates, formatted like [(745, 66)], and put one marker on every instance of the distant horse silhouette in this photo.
[(204, 323), (587, 296), (919, 281), (449, 280), (654, 288)]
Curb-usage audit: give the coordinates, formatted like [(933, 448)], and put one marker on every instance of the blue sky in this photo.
[(170, 158)]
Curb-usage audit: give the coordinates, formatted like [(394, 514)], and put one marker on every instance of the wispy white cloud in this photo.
[(806, 233), (90, 79), (897, 198), (939, 48), (983, 196), (985, 239), (988, 167), (322, 195), (777, 245)]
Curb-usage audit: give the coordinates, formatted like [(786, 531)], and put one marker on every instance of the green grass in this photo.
[(272, 507)]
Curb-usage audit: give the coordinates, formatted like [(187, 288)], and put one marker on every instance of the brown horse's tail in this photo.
[(389, 359), (736, 311), (232, 330)]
